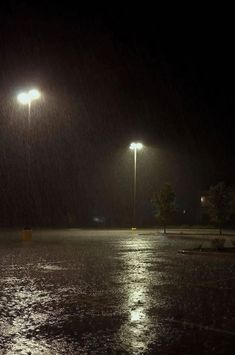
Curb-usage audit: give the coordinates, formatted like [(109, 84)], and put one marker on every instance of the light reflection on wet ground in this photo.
[(77, 292), (137, 333)]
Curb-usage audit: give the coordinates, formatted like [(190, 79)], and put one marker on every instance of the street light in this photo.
[(26, 98), (135, 146)]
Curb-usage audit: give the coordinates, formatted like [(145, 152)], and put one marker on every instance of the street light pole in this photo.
[(134, 192), (26, 98), (28, 159), (135, 147)]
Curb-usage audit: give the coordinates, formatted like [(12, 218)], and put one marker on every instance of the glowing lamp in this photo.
[(34, 94), (136, 146), (25, 98)]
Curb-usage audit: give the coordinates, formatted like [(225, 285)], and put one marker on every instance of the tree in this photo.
[(164, 203), (219, 201)]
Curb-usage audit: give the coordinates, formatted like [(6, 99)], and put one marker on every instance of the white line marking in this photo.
[(200, 326)]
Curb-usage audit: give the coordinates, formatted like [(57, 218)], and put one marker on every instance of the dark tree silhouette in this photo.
[(219, 201), (164, 203)]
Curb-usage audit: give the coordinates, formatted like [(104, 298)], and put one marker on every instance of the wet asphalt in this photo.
[(113, 292)]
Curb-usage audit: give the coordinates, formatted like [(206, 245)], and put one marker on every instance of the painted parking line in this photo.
[(200, 326)]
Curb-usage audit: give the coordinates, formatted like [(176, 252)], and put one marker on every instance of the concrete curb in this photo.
[(229, 251)]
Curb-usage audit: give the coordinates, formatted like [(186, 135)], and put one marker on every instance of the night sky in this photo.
[(110, 76)]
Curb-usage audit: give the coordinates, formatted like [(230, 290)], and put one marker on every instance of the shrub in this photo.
[(218, 243)]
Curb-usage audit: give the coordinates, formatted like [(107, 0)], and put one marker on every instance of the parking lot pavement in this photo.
[(113, 292)]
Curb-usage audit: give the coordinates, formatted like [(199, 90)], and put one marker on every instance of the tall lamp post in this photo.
[(135, 147), (26, 98)]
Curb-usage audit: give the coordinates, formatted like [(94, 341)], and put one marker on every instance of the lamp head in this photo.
[(25, 98), (136, 146), (34, 94)]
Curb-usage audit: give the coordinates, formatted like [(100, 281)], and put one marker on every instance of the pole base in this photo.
[(26, 234)]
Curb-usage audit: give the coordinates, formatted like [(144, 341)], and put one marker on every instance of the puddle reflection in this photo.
[(136, 334)]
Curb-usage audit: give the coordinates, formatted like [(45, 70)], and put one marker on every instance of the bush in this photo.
[(219, 203), (218, 243)]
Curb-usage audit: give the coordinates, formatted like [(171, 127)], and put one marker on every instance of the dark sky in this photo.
[(110, 76)]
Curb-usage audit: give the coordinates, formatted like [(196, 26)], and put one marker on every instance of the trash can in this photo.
[(26, 234)]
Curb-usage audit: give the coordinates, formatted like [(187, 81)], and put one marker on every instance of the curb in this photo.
[(206, 252)]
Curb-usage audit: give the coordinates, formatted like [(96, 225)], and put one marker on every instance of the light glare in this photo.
[(23, 98), (136, 146), (34, 94)]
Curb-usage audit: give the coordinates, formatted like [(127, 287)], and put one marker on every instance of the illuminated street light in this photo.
[(26, 98), (135, 146), (23, 98), (34, 94)]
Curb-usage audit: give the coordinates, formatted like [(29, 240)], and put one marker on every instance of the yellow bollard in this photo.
[(26, 234)]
